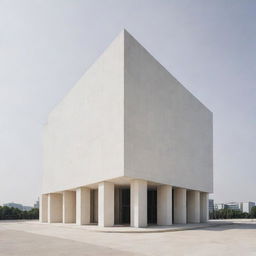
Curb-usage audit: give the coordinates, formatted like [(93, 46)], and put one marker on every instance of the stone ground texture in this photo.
[(33, 238)]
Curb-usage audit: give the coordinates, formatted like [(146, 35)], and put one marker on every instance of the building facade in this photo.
[(127, 145), (36, 204), (233, 206), (241, 206), (247, 206), (211, 205), (219, 206)]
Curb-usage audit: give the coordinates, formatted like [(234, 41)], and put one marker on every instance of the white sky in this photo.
[(45, 47)]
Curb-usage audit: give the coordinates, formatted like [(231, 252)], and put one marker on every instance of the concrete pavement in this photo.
[(31, 238)]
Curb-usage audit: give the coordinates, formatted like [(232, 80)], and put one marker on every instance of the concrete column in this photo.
[(164, 205), (139, 190), (193, 206), (106, 204), (180, 206), (204, 207), (54, 207), (83, 203), (43, 208), (69, 207)]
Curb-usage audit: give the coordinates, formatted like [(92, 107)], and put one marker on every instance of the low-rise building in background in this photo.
[(219, 206), (211, 205), (36, 204), (246, 206), (242, 206), (233, 206)]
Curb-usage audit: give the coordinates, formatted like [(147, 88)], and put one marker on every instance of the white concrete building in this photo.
[(211, 205), (220, 206), (233, 206), (242, 206), (247, 206), (127, 145)]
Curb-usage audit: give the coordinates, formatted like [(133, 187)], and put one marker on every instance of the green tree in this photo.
[(253, 212), (228, 214), (10, 213)]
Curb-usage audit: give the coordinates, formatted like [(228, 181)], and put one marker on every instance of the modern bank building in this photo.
[(128, 145)]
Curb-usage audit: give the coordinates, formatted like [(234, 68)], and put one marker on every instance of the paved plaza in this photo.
[(32, 238)]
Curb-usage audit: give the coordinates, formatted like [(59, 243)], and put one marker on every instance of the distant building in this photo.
[(219, 206), (36, 204), (243, 206), (233, 206), (246, 206), (19, 206), (211, 205)]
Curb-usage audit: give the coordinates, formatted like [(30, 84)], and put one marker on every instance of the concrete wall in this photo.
[(43, 208), (106, 204), (139, 203), (164, 205), (83, 139), (83, 206), (204, 207), (69, 207), (55, 207), (128, 116), (168, 132), (180, 206), (193, 206)]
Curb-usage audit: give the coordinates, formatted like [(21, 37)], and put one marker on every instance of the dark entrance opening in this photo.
[(122, 205), (94, 206), (125, 211), (152, 206), (173, 206)]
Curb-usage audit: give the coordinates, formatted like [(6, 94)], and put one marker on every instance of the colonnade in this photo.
[(174, 205)]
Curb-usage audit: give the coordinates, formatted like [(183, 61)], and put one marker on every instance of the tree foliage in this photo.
[(232, 214), (11, 213), (253, 212)]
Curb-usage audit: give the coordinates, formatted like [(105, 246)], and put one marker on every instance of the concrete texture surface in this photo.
[(106, 204), (168, 136), (83, 206), (128, 117), (84, 135), (33, 238), (139, 203), (22, 243), (180, 207), (164, 205)]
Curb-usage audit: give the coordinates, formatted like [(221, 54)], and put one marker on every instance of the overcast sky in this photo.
[(46, 46)]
